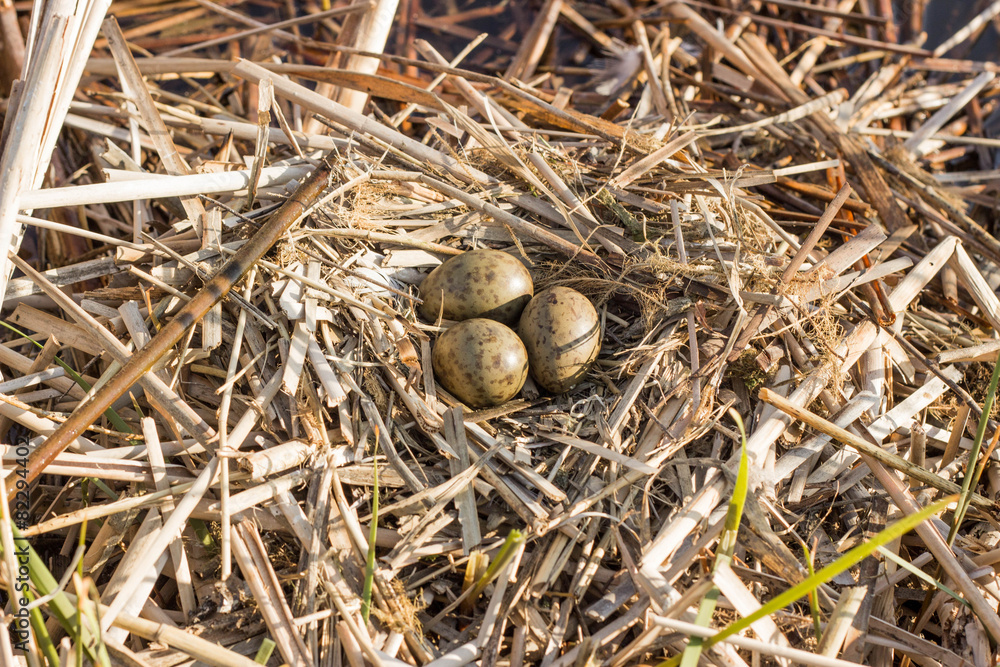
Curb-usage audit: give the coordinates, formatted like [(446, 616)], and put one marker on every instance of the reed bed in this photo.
[(223, 441)]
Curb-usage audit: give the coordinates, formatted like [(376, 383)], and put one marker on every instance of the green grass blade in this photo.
[(515, 539), (60, 605), (811, 583), (848, 560), (920, 574), (692, 652), (813, 601), (727, 545), (41, 633), (971, 467), (99, 483), (204, 535), (366, 591)]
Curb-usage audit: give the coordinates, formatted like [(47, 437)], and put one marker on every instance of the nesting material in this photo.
[(774, 218)]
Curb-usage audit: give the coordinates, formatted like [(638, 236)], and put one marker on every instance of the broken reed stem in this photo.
[(891, 460), (816, 234), (213, 292)]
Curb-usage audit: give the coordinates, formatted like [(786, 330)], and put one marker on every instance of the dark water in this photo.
[(942, 18)]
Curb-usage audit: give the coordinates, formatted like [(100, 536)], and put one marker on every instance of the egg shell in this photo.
[(481, 362), (479, 283), (562, 334)]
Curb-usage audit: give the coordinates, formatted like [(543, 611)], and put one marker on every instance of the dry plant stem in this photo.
[(138, 93), (149, 551), (522, 65), (937, 121), (372, 32), (931, 366), (155, 186), (847, 353), (173, 331), (161, 395), (251, 554), (512, 221), (809, 58), (83, 233), (177, 554), (99, 511), (398, 119), (872, 451), (224, 450), (383, 237), (815, 234), (936, 544), (7, 540), (42, 361), (798, 259), (766, 648), (976, 23), (362, 125), (50, 76), (873, 457), (186, 642)]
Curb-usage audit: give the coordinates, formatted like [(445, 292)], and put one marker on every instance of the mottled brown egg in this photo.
[(481, 362), (561, 332), (479, 283)]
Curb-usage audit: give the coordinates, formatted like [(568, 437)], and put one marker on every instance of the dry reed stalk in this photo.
[(164, 398), (717, 167), (58, 46), (170, 334), (938, 120), (371, 34), (177, 554), (185, 642), (137, 92), (256, 566), (868, 449)]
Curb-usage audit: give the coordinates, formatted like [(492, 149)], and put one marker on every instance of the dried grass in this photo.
[(790, 219)]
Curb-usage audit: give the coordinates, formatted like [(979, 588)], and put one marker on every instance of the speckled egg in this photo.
[(479, 283), (562, 334), (481, 362)]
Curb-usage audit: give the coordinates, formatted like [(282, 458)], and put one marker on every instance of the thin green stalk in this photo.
[(78, 648), (692, 652), (515, 539), (204, 536), (813, 600), (920, 574), (99, 483), (811, 583), (970, 468), (366, 591), (94, 618), (59, 605), (112, 416), (136, 407), (727, 546), (81, 598), (41, 633)]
